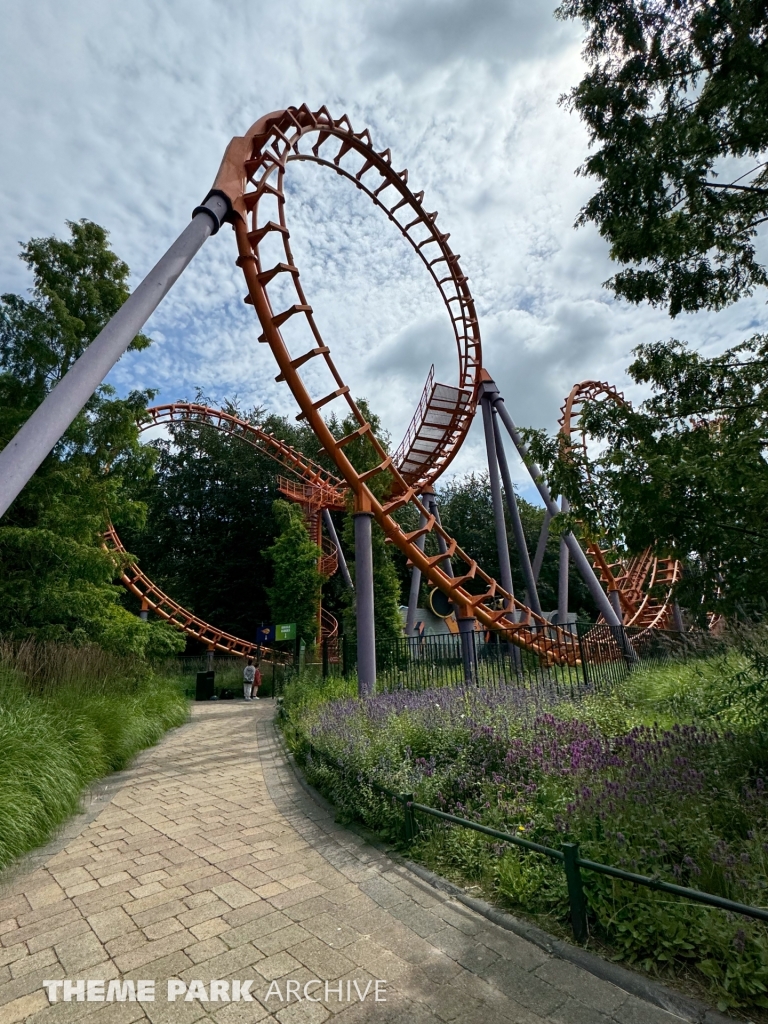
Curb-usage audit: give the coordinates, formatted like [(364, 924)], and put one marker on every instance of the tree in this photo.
[(210, 516), (676, 93), (685, 472), (295, 594), (56, 581)]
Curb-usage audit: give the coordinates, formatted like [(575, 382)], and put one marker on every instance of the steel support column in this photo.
[(502, 547), (430, 503), (677, 617), (562, 573), (36, 439), (581, 562), (467, 637), (541, 546), (366, 629), (330, 529), (517, 525), (413, 595)]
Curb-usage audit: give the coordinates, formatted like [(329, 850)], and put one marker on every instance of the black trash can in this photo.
[(204, 688)]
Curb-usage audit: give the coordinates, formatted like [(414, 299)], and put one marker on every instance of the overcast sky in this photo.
[(120, 112)]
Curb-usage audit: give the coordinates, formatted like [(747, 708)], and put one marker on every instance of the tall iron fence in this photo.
[(589, 656)]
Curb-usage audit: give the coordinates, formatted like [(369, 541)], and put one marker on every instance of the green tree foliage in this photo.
[(685, 471), (386, 582), (209, 518), (466, 511), (295, 593), (675, 94), (56, 582)]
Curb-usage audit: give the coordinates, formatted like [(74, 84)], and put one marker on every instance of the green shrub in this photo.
[(67, 717)]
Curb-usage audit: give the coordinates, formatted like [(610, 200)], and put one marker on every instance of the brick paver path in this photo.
[(210, 862)]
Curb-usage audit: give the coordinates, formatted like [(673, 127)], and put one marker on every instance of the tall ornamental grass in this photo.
[(69, 716), (666, 776)]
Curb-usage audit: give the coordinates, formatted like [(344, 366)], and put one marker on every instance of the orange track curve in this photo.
[(327, 488), (252, 176)]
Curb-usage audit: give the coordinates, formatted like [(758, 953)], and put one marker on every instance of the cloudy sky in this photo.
[(120, 112)]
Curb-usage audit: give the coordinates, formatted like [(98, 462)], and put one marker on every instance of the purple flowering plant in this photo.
[(684, 801)]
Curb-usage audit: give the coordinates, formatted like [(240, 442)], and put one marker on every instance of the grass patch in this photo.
[(69, 716)]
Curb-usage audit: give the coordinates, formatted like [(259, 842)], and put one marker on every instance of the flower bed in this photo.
[(686, 802)]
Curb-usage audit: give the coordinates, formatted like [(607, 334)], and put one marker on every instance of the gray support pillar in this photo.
[(25, 452), (613, 597), (562, 574), (366, 629), (580, 560), (502, 547), (413, 596), (517, 525), (677, 617), (467, 637), (144, 614), (331, 531), (541, 546)]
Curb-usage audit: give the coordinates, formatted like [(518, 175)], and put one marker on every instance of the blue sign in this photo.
[(265, 634)]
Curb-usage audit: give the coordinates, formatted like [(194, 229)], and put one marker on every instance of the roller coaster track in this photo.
[(252, 176), (644, 582), (313, 484)]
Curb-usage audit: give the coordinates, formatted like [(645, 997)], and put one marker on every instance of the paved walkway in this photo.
[(211, 862)]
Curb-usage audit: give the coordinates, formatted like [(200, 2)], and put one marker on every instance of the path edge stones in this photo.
[(687, 1008)]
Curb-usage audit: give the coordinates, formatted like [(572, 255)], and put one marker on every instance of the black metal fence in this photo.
[(590, 656)]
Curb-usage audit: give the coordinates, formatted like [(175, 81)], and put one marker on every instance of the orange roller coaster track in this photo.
[(644, 582), (252, 176), (316, 484)]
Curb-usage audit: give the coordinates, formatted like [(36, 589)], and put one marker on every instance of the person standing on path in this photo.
[(249, 677)]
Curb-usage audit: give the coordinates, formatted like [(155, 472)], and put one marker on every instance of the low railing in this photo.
[(568, 855), (419, 663)]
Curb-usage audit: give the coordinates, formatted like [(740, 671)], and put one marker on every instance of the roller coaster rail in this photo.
[(312, 482), (249, 193)]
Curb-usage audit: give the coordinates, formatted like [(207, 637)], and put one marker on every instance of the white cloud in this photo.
[(121, 112)]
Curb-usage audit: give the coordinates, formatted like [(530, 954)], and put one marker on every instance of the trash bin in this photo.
[(204, 688)]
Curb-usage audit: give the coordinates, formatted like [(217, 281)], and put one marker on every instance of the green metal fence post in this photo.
[(576, 896), (409, 822)]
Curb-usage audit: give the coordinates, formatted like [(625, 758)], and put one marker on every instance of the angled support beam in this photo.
[(24, 453), (586, 571), (562, 575), (413, 596), (541, 546), (517, 525), (331, 531), (430, 502), (502, 547)]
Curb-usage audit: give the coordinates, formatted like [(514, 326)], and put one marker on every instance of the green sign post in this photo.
[(285, 631)]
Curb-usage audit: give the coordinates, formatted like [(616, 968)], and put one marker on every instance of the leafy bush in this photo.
[(67, 717)]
